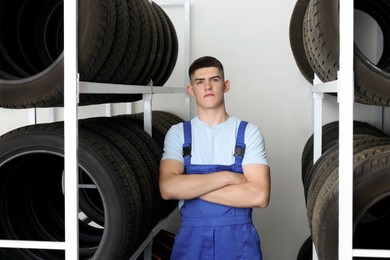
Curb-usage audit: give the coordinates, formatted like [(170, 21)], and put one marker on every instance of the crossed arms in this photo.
[(248, 190)]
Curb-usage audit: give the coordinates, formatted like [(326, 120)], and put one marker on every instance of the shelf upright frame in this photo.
[(318, 90), (346, 100), (344, 86), (71, 85)]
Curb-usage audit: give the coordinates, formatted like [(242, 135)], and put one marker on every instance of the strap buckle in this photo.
[(239, 151), (187, 151)]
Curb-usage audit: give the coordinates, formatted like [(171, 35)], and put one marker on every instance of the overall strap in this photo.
[(187, 142), (239, 150)]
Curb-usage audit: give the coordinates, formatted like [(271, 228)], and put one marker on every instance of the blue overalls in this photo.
[(213, 231)]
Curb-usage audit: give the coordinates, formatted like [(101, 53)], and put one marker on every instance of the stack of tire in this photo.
[(119, 198), (371, 190), (129, 42), (314, 40)]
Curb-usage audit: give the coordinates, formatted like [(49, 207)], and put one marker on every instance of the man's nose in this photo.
[(208, 86)]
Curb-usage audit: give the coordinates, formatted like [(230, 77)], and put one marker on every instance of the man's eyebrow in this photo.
[(216, 77), (199, 79), (213, 77)]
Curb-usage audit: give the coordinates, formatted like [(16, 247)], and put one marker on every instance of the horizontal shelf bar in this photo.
[(107, 88), (168, 90), (327, 87), (32, 244), (87, 186), (371, 253)]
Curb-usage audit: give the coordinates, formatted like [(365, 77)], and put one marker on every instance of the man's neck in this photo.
[(211, 117)]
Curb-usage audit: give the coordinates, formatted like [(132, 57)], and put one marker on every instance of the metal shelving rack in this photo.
[(72, 88), (344, 86)]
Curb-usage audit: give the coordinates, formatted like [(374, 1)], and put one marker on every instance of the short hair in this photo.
[(205, 62)]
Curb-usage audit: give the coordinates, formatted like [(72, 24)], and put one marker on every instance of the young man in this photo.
[(216, 165)]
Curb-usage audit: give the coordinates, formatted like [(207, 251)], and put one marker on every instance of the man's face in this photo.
[(208, 87)]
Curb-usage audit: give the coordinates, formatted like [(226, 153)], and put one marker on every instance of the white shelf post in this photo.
[(319, 88), (346, 100), (71, 129)]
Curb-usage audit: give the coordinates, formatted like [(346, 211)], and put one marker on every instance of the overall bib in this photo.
[(213, 231)]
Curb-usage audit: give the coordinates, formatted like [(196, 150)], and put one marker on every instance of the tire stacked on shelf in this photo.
[(120, 41), (314, 40), (371, 201), (330, 136), (119, 199)]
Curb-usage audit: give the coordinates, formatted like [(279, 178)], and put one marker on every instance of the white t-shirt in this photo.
[(215, 144)]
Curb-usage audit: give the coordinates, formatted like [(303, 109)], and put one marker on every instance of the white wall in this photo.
[(251, 38)]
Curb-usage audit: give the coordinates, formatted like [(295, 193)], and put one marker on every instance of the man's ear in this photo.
[(227, 85), (190, 91)]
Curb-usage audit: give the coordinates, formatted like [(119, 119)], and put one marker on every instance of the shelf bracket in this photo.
[(148, 113)]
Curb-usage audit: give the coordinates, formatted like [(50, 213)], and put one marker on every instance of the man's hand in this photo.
[(235, 178)]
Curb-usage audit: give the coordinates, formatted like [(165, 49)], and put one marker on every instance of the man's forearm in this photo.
[(189, 186), (252, 194), (239, 195)]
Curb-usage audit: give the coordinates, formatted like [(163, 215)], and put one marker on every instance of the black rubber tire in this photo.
[(372, 81), (18, 33), (311, 171), (50, 42), (169, 117), (371, 213), (149, 150), (321, 51), (133, 42), (97, 20), (307, 154), (297, 41), (45, 88), (161, 79), (330, 161), (106, 167), (90, 202), (155, 48), (330, 134), (137, 53), (161, 123), (144, 48), (119, 44), (370, 170), (136, 162), (166, 54), (32, 20), (158, 130)]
